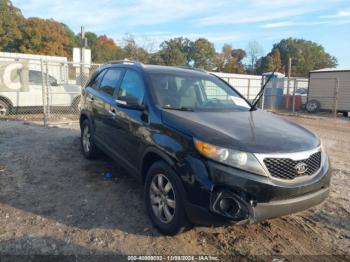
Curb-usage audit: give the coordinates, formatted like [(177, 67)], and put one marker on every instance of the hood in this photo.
[(256, 131)]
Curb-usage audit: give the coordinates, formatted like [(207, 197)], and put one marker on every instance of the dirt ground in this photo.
[(53, 201)]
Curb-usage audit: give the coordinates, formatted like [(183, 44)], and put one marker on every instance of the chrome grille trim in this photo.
[(297, 156)]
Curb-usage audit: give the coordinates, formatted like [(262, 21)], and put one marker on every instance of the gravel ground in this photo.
[(53, 201)]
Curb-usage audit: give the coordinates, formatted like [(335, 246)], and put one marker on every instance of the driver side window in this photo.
[(132, 88)]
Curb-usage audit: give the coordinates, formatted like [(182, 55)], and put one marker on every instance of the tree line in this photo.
[(49, 37)]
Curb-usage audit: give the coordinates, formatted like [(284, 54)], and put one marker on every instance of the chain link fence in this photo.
[(318, 96), (285, 94), (45, 91), (48, 91), (248, 85)]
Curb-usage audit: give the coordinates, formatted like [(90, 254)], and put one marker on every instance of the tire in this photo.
[(88, 147), (171, 218), (4, 108), (313, 106)]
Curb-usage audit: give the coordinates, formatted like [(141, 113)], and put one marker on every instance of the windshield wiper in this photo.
[(182, 108), (261, 92)]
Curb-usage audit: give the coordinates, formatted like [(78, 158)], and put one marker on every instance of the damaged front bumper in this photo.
[(263, 211), (242, 198)]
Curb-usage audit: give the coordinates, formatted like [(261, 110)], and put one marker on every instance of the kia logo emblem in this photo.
[(301, 168)]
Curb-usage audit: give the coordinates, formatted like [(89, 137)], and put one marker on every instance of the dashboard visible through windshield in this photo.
[(188, 93)]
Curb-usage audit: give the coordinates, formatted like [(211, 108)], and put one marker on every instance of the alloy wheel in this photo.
[(162, 196), (86, 139), (3, 110)]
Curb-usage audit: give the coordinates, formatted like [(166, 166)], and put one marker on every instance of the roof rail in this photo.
[(193, 68), (126, 61)]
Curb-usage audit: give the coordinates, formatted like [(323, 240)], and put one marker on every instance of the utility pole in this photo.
[(82, 51), (289, 67), (288, 80)]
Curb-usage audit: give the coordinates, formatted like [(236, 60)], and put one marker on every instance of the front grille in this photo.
[(286, 168)]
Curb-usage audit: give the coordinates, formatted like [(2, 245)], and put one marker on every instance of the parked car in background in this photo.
[(303, 93), (204, 154), (23, 92)]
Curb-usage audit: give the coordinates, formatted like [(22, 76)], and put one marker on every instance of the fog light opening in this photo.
[(229, 206)]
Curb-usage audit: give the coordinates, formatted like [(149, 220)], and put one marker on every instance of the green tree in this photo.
[(230, 60), (306, 56), (106, 50), (271, 62), (156, 58), (235, 64), (11, 20), (41, 36), (175, 51), (203, 54), (223, 58), (92, 40), (133, 52), (73, 40)]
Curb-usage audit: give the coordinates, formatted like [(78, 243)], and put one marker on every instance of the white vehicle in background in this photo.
[(302, 92), (21, 90)]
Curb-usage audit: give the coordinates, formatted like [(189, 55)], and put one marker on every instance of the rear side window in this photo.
[(96, 82), (110, 80), (132, 88)]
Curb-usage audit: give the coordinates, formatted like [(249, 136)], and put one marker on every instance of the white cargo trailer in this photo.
[(329, 89)]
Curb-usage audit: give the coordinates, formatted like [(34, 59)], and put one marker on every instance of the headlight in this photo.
[(238, 159)]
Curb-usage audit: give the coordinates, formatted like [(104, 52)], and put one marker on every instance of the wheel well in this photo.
[(149, 159), (7, 101)]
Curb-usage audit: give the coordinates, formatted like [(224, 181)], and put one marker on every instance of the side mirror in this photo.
[(130, 103)]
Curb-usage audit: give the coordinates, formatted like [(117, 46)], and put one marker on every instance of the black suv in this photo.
[(202, 152)]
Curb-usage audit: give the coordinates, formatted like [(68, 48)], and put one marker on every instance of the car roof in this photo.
[(157, 69)]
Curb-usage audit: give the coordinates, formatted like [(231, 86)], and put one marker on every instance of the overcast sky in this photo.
[(234, 22)]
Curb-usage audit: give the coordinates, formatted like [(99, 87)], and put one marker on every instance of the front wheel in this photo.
[(4, 108), (164, 196)]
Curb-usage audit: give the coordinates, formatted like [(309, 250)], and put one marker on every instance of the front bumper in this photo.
[(258, 198), (263, 211)]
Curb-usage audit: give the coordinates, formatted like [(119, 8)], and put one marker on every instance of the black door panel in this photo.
[(129, 123), (102, 104)]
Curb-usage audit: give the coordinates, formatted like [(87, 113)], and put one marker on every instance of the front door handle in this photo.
[(112, 112)]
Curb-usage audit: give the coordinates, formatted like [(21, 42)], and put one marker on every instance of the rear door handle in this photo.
[(112, 112)]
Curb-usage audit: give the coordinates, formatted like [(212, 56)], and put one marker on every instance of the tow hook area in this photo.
[(231, 206)]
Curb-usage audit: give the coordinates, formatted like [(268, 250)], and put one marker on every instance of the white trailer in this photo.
[(329, 89)]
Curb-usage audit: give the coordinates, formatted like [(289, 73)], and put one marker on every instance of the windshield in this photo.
[(192, 93)]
